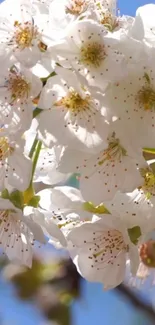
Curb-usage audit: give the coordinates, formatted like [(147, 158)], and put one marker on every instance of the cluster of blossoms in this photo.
[(77, 97)]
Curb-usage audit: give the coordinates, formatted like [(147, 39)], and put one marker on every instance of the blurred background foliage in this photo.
[(52, 285)]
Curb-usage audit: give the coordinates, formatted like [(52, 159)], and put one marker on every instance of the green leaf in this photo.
[(149, 150), (134, 234), (34, 202), (5, 194), (17, 199), (36, 112), (90, 207), (153, 167)]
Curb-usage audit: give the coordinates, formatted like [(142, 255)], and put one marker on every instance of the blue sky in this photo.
[(104, 308), (128, 7), (95, 306)]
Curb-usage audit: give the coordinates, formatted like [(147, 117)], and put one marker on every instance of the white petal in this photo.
[(46, 170), (134, 259), (67, 197), (110, 176), (52, 92), (71, 159), (20, 169), (46, 200), (51, 229), (7, 205), (35, 229)]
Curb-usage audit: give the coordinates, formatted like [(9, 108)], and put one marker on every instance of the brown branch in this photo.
[(137, 302)]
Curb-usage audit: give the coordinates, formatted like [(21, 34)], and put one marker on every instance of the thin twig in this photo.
[(137, 302)]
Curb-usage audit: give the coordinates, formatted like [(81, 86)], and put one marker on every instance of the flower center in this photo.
[(74, 102), (114, 151), (5, 148), (18, 86), (77, 7), (93, 54), (146, 95), (149, 182), (109, 21), (3, 215), (24, 35), (106, 246), (146, 98), (147, 253), (4, 218)]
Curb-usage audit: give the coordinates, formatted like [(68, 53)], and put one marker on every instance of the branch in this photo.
[(136, 301)]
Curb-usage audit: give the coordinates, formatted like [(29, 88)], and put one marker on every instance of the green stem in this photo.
[(33, 147), (35, 158), (29, 193)]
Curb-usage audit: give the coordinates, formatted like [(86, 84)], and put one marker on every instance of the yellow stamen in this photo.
[(93, 54), (5, 148), (99, 253), (114, 151), (149, 182), (146, 95), (74, 102), (109, 21), (77, 7), (24, 35), (18, 86)]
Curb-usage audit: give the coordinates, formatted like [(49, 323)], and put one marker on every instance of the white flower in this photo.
[(43, 219), (75, 7), (113, 168), (129, 207), (110, 5), (62, 201), (132, 100), (92, 52), (74, 115), (13, 163), (46, 169), (19, 34), (145, 276), (19, 86), (13, 120), (144, 195), (17, 233), (109, 18), (41, 6), (60, 209), (18, 89), (101, 250), (68, 11), (60, 16), (102, 247), (144, 26), (65, 207)]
